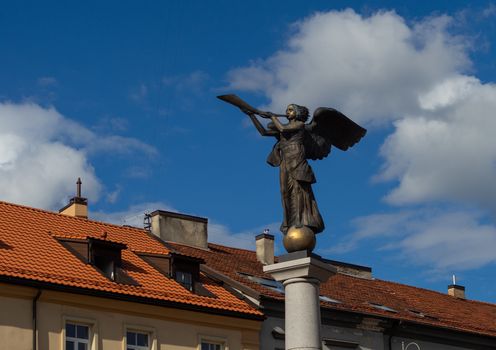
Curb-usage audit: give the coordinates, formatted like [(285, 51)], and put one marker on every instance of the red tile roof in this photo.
[(356, 294), (30, 251)]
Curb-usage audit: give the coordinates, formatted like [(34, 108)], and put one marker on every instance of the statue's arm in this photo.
[(287, 127), (261, 129)]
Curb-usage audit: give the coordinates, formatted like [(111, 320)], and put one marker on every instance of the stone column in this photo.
[(301, 274)]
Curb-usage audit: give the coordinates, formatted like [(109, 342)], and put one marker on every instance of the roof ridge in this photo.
[(379, 279), (235, 248), (45, 211), (435, 291)]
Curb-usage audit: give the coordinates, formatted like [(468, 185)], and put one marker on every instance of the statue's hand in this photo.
[(267, 115)]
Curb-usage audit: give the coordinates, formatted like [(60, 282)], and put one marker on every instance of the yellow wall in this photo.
[(15, 323), (76, 209), (173, 329)]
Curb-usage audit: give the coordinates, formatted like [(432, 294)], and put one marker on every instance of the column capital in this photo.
[(307, 267)]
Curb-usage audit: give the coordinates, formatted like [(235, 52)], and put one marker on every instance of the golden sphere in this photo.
[(299, 238)]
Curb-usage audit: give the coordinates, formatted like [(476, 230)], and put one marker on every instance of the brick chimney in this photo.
[(456, 290), (180, 228), (77, 206), (265, 247)]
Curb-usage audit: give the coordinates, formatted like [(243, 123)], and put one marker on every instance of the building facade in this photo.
[(358, 310), (69, 283)]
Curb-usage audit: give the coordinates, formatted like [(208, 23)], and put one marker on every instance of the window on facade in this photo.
[(77, 336), (185, 278), (206, 345), (137, 341)]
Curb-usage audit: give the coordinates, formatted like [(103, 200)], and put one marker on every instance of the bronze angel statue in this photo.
[(298, 141)]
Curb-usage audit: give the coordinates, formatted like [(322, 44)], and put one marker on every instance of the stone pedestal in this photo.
[(301, 274)]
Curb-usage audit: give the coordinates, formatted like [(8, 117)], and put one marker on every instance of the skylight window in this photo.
[(383, 307), (417, 313), (271, 284), (422, 314), (329, 300)]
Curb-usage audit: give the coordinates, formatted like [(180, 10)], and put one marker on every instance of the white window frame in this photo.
[(213, 340), (92, 330), (152, 335)]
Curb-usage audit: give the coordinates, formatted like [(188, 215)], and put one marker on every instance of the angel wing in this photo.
[(328, 128)]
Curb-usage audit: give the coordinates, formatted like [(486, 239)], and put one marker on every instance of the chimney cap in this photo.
[(265, 247), (264, 235), (456, 291), (179, 216), (78, 205)]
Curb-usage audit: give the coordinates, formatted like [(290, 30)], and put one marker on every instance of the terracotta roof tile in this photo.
[(355, 294), (31, 251)]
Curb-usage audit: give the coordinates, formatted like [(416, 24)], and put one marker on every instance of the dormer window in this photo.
[(107, 265), (103, 254), (182, 268), (186, 270), (106, 256)]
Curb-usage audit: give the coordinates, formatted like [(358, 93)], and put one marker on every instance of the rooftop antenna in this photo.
[(147, 222)]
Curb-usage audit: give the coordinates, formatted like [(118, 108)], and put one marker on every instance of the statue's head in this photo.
[(301, 112)]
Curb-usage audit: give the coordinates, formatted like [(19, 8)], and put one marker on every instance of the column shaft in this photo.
[(302, 309)]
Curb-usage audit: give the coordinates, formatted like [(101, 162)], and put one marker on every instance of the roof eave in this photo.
[(129, 298)]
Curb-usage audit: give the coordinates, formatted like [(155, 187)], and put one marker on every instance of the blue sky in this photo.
[(123, 95)]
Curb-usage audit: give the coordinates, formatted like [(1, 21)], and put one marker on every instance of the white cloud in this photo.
[(217, 232), (118, 144), (140, 94), (186, 89), (381, 69), (372, 68), (138, 172), (42, 153), (221, 234), (448, 92), (489, 11), (193, 82), (449, 152), (47, 81), (112, 196), (452, 241), (132, 216), (371, 227), (440, 240)]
